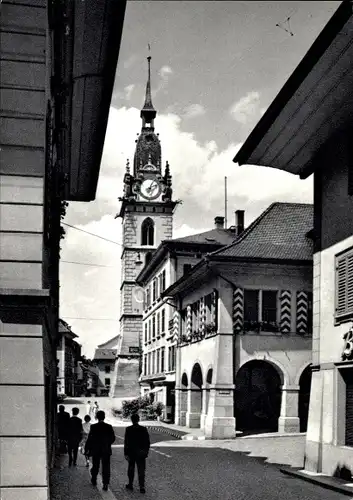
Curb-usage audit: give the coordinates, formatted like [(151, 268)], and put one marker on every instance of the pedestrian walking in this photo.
[(99, 447), (86, 429), (95, 409), (74, 436), (91, 412), (63, 419), (88, 408), (136, 448)]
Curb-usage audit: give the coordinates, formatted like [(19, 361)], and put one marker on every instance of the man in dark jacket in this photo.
[(99, 447), (136, 448), (62, 421), (75, 431)]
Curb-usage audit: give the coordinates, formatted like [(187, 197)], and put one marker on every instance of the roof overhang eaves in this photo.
[(183, 283), (157, 258), (258, 138), (237, 259)]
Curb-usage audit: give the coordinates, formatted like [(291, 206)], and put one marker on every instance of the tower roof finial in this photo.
[(148, 112)]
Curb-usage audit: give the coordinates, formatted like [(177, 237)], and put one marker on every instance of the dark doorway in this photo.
[(258, 397), (304, 398)]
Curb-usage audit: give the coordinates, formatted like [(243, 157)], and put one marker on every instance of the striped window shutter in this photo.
[(202, 314), (188, 320), (215, 307), (176, 327), (344, 285), (238, 309), (302, 312), (285, 311)]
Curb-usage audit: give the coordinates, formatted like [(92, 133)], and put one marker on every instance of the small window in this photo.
[(149, 330), (153, 362), (158, 360), (154, 290), (344, 287), (147, 232), (107, 382), (269, 306), (153, 327), (162, 359), (163, 321), (158, 325), (251, 305), (162, 282), (146, 332), (107, 369)]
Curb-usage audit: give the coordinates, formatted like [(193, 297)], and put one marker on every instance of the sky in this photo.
[(216, 67)]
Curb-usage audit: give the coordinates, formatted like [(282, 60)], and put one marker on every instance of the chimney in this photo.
[(239, 222), (219, 222)]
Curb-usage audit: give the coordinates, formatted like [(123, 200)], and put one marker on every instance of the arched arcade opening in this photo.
[(258, 397)]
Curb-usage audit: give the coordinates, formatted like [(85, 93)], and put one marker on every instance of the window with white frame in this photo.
[(260, 309), (158, 360), (153, 362), (162, 359), (344, 287), (171, 358), (149, 329), (163, 321), (158, 325), (154, 290), (144, 364), (146, 332), (153, 327)]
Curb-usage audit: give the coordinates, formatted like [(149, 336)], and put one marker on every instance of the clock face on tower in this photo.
[(150, 189)]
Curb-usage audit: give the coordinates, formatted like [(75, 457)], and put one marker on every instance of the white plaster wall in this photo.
[(331, 336), (199, 352)]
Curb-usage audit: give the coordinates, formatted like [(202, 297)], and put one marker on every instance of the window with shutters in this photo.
[(344, 287)]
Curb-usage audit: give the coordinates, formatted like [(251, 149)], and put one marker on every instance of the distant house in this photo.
[(244, 330), (169, 262), (308, 130), (68, 355), (104, 359)]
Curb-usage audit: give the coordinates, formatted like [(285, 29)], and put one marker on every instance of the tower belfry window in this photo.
[(147, 232)]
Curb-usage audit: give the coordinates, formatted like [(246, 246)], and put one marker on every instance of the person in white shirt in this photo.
[(86, 428), (88, 408)]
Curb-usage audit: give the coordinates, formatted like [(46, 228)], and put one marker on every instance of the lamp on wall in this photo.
[(138, 261)]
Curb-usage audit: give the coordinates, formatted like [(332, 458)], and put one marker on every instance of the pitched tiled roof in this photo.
[(105, 354), (279, 233), (212, 237)]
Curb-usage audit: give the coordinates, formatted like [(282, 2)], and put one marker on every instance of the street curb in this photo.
[(327, 482), (165, 430)]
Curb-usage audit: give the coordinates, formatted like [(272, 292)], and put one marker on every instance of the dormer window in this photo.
[(147, 232)]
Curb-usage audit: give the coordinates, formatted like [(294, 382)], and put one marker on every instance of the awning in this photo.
[(156, 389)]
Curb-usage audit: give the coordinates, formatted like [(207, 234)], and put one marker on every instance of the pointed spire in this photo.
[(148, 113)]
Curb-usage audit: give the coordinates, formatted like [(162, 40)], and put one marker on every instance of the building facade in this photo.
[(104, 359), (146, 211), (48, 99), (171, 260), (68, 355), (244, 329), (316, 139)]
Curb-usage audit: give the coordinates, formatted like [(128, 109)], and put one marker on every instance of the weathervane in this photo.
[(285, 23)]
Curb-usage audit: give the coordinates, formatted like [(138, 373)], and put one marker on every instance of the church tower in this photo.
[(147, 218)]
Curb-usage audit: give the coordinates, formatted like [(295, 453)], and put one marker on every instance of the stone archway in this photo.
[(193, 416), (304, 398), (258, 396)]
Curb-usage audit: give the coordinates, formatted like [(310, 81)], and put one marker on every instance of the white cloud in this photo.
[(194, 110), (247, 108), (126, 93), (198, 179), (165, 71)]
